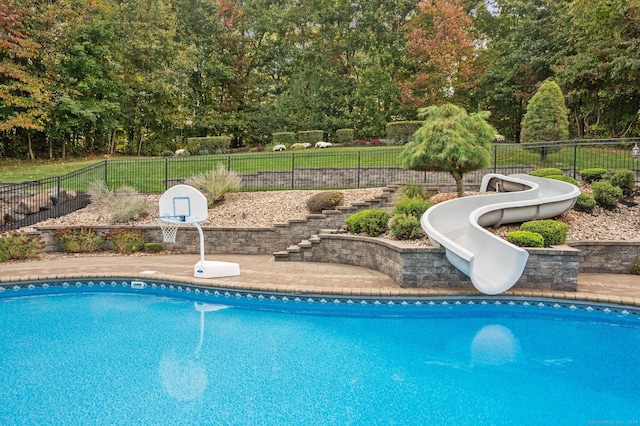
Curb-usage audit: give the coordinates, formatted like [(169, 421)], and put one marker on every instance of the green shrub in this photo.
[(15, 246), (372, 222), (411, 206), (167, 153), (82, 239), (635, 267), (550, 171), (585, 203), (412, 190), (184, 153), (625, 180), (405, 227), (605, 194), (593, 174), (125, 240), (564, 178), (326, 200), (310, 136), (127, 205), (344, 135), (284, 138), (208, 144), (216, 183), (525, 239), (402, 131), (153, 247), (552, 231)]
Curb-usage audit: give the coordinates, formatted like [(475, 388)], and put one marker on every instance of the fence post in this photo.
[(575, 156), (166, 173), (228, 162), (293, 157), (358, 182), (58, 196), (495, 158), (106, 162)]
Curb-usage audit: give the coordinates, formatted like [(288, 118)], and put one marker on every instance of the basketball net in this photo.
[(169, 227)]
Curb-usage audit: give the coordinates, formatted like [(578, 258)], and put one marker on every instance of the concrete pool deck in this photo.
[(263, 273)]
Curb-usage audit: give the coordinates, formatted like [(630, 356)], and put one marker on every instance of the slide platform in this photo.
[(493, 264)]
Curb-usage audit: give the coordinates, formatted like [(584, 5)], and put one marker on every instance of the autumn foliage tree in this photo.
[(440, 53), (23, 94)]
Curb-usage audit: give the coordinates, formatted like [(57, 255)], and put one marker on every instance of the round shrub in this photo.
[(411, 206), (585, 203), (550, 171), (605, 194), (625, 180), (593, 174), (372, 222), (405, 227), (552, 231), (525, 239), (326, 200), (564, 178)]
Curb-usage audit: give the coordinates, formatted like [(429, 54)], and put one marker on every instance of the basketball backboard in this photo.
[(183, 203)]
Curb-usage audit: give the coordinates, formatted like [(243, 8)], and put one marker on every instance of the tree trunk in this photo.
[(457, 176), (32, 156)]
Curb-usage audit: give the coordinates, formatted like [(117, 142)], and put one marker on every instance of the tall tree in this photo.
[(441, 54), (23, 93), (450, 140)]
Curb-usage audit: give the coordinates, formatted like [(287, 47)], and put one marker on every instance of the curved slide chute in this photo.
[(493, 264)]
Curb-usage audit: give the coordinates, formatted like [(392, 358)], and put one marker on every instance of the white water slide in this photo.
[(493, 264)]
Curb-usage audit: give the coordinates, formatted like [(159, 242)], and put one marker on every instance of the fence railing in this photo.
[(26, 203)]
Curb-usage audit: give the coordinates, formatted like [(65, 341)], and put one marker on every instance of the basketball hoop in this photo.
[(169, 226)]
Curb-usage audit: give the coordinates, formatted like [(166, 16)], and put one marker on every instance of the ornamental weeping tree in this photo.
[(546, 120), (451, 140)]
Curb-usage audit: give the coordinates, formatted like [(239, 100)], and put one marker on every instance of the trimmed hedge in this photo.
[(372, 222), (605, 194), (344, 135), (564, 178), (585, 203), (405, 227), (411, 206), (326, 200), (310, 136), (284, 138), (593, 174), (209, 144), (402, 131), (552, 231), (625, 180), (550, 171)]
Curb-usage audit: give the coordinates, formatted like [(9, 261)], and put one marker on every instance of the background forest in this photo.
[(140, 76)]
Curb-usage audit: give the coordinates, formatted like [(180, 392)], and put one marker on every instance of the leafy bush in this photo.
[(635, 268), (405, 227), (552, 231), (82, 239), (19, 246), (585, 203), (153, 247), (625, 180), (411, 206), (550, 171), (372, 222), (593, 174), (344, 135), (125, 240), (326, 200), (412, 190), (525, 239), (310, 136), (127, 205), (208, 144), (216, 183), (605, 194), (564, 178), (402, 131), (284, 138)]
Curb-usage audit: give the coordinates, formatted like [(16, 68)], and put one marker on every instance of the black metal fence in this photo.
[(26, 203)]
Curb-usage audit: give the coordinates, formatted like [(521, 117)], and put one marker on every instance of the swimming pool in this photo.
[(134, 352)]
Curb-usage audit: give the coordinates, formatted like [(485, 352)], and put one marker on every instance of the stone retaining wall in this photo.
[(612, 257), (428, 267)]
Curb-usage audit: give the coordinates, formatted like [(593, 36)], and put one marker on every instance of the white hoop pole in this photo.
[(201, 241)]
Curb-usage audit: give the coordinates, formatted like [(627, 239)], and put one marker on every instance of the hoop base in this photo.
[(215, 269)]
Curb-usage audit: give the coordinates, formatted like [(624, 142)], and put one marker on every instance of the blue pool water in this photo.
[(117, 357)]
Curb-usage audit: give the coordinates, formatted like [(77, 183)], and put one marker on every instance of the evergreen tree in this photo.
[(546, 118)]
